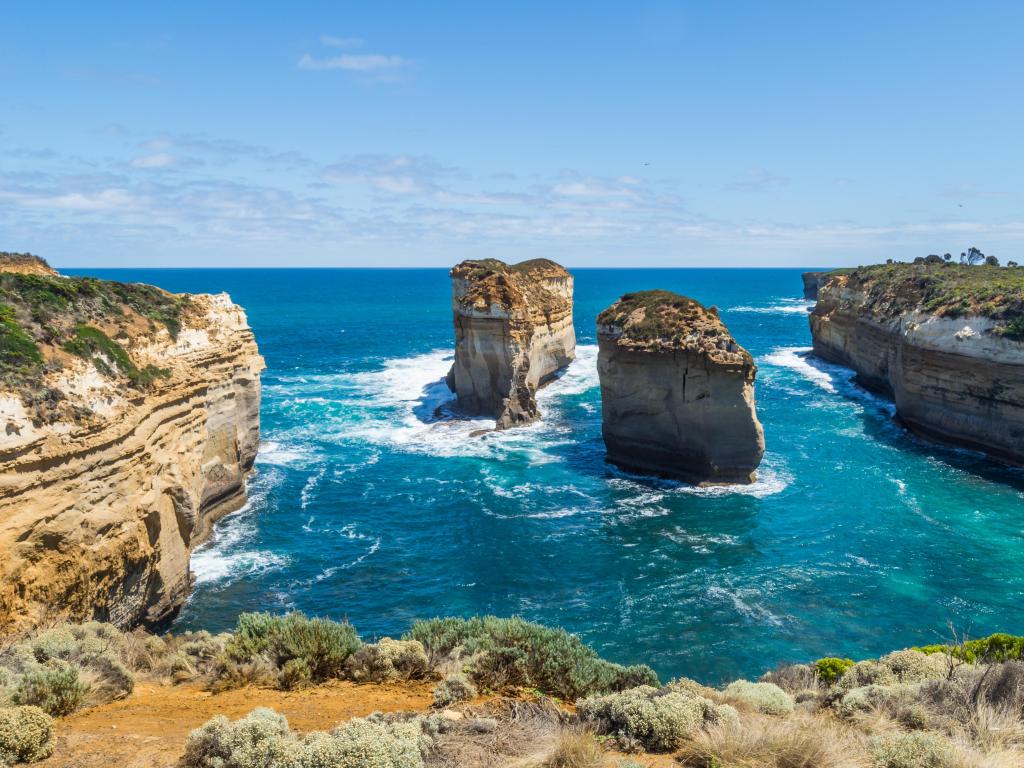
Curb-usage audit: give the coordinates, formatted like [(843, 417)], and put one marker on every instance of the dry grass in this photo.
[(761, 742), (577, 749)]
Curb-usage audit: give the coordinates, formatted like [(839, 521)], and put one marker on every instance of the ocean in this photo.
[(857, 538)]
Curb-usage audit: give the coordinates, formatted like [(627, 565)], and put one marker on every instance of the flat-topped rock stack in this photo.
[(677, 391), (513, 334)]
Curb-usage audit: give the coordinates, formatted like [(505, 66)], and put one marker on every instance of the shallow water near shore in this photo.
[(857, 538)]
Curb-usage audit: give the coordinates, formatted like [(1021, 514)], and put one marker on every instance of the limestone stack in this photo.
[(944, 341), (128, 424), (513, 334), (677, 391)]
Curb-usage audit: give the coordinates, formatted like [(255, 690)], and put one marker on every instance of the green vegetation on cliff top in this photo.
[(654, 315), (946, 289)]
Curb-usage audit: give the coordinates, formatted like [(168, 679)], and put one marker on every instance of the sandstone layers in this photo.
[(513, 333), (103, 497), (677, 391), (944, 342)]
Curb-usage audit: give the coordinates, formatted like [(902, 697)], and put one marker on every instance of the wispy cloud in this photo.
[(157, 160), (758, 180), (376, 65)]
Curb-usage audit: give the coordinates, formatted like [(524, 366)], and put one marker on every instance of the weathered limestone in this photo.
[(98, 518), (677, 391), (24, 264), (813, 282), (953, 366), (513, 334)]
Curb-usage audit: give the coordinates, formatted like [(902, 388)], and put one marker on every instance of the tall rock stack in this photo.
[(513, 334), (677, 391)]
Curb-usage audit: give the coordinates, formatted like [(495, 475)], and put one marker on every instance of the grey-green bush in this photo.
[(657, 720), (452, 690), (322, 645), (913, 750), (388, 660), (26, 735), (262, 739), (767, 698), (505, 653), (54, 687)]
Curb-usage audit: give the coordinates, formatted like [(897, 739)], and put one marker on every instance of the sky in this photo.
[(628, 134)]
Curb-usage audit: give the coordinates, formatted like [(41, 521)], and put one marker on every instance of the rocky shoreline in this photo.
[(128, 428), (941, 341)]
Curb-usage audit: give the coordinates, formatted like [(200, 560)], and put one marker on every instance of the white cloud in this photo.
[(341, 42), (104, 200), (158, 160), (354, 62)]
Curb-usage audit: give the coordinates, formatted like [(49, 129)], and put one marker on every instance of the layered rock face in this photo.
[(677, 391), (513, 333), (813, 282), (944, 342), (123, 437)]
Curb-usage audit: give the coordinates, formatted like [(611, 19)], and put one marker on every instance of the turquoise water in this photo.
[(857, 538)]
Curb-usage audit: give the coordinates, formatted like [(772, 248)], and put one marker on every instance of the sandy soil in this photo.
[(149, 728)]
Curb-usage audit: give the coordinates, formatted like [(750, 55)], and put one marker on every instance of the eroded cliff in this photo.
[(513, 333), (677, 391), (944, 341), (129, 418)]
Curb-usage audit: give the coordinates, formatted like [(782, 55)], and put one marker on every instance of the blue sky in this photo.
[(596, 134)]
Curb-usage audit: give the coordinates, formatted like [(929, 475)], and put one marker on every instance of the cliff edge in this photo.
[(944, 341), (513, 333), (677, 391), (129, 419)]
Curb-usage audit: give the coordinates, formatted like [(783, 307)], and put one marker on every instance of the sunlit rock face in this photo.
[(677, 391), (108, 484), (513, 334), (953, 365)]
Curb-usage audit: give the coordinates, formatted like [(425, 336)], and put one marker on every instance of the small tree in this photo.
[(1012, 264), (972, 256), (947, 256), (992, 261)]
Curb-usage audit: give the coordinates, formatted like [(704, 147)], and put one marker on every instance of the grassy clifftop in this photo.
[(946, 290), (46, 320)]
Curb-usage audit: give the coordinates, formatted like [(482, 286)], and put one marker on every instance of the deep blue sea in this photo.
[(856, 539)]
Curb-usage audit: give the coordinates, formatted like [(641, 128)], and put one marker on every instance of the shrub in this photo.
[(913, 750), (656, 719), (55, 688), (388, 660), (794, 678), (452, 690), (26, 735), (994, 648), (295, 674), (831, 668), (322, 645), (262, 739), (514, 652), (767, 698), (912, 666)]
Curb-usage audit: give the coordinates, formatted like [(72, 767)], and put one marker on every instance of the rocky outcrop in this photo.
[(677, 391), (513, 334), (127, 428), (813, 282), (24, 264), (943, 341)]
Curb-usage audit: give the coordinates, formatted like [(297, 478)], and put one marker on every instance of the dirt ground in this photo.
[(148, 729)]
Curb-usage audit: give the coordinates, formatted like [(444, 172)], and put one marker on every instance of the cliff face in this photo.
[(24, 264), (513, 333), (677, 391), (812, 282), (128, 424), (942, 341)]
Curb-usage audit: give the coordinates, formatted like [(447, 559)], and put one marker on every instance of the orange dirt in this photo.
[(148, 729)]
